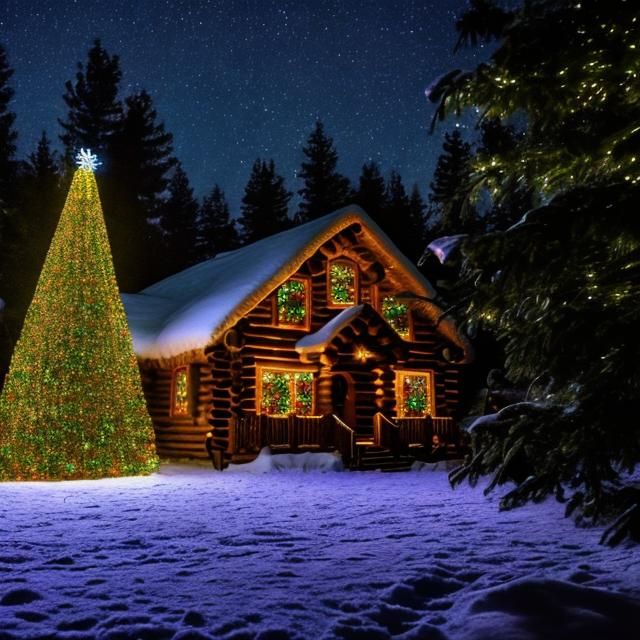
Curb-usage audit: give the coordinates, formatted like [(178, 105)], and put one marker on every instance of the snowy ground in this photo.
[(189, 553)]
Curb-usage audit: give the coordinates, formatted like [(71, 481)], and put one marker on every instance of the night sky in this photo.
[(236, 80)]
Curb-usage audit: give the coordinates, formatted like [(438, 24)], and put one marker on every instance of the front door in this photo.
[(343, 398)]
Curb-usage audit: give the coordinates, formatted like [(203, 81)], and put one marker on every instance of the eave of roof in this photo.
[(317, 341)]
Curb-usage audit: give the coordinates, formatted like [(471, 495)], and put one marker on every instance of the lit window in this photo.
[(292, 303), (180, 404), (285, 392), (303, 393), (414, 394), (343, 284), (397, 315)]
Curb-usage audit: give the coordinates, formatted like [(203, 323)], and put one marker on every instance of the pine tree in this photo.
[(396, 212), (560, 290), (95, 112), (40, 204), (43, 162), (179, 221), (144, 151), (515, 194), (416, 223), (8, 135), (72, 405), (451, 180), (216, 230), (372, 193), (265, 204), (139, 175), (8, 214), (94, 121), (325, 190), (26, 237), (399, 219)]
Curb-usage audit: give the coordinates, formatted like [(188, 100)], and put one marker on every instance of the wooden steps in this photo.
[(379, 459)]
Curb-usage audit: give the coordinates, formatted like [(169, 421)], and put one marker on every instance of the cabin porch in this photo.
[(395, 442)]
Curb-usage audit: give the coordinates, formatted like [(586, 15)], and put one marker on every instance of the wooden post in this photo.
[(325, 403), (292, 432), (428, 435), (232, 435)]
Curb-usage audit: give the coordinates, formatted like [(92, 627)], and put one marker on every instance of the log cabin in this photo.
[(324, 336)]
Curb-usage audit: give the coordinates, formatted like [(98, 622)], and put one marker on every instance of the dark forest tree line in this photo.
[(157, 226), (265, 204), (155, 223)]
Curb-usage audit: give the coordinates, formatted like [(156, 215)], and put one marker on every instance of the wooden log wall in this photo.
[(385, 385), (224, 400), (179, 436), (425, 352)]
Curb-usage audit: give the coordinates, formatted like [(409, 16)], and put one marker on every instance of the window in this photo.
[(303, 393), (293, 303), (281, 392), (180, 392), (397, 315), (414, 394), (343, 283)]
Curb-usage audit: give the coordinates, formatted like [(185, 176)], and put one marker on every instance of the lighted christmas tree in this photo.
[(72, 404)]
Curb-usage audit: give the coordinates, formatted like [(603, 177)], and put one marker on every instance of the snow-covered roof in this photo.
[(317, 340), (194, 308)]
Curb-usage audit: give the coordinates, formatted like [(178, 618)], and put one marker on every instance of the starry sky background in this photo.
[(234, 80)]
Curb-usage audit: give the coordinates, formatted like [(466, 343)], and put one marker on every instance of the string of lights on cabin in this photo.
[(72, 404)]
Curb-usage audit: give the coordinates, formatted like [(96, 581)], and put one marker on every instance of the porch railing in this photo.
[(415, 431), (421, 430), (345, 442), (247, 434), (252, 432), (326, 433), (386, 434)]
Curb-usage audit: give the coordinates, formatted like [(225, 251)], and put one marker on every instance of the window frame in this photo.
[(356, 283), (379, 299), (260, 368), (429, 375), (174, 383), (307, 305)]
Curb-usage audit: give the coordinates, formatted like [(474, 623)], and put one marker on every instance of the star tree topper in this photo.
[(87, 160)]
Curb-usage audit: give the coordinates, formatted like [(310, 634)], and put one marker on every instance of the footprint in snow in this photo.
[(194, 619), (19, 596), (31, 616), (81, 624), (66, 560)]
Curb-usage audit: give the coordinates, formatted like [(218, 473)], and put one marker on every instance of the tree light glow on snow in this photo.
[(87, 160)]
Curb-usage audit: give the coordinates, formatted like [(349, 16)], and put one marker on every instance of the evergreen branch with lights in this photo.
[(559, 289)]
